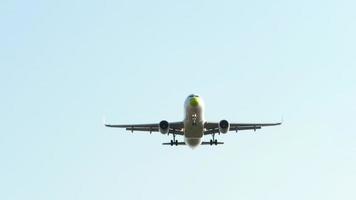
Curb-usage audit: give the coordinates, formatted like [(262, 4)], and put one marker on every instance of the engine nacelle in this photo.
[(224, 126), (163, 127)]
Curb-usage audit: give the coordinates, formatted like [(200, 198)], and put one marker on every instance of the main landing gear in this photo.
[(174, 141), (213, 141)]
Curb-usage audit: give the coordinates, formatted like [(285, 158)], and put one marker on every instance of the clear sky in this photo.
[(65, 64)]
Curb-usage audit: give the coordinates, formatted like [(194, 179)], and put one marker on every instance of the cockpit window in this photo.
[(193, 95)]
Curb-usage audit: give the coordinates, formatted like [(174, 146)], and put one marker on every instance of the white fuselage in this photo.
[(193, 121)]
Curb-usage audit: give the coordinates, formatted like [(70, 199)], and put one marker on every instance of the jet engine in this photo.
[(163, 127), (224, 126)]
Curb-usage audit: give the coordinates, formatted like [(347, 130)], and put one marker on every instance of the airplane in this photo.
[(194, 126)]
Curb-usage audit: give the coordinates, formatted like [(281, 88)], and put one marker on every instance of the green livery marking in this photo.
[(194, 102)]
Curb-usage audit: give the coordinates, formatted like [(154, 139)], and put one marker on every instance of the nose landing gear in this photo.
[(194, 119)]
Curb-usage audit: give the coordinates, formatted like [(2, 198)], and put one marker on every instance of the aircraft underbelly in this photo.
[(193, 125), (194, 131)]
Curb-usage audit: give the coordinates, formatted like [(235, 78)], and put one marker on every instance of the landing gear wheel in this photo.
[(216, 142), (171, 142), (176, 143), (211, 142)]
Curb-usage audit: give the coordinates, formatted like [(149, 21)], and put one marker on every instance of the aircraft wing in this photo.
[(213, 127), (174, 127)]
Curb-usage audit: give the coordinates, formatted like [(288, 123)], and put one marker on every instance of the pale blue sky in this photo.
[(65, 64)]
